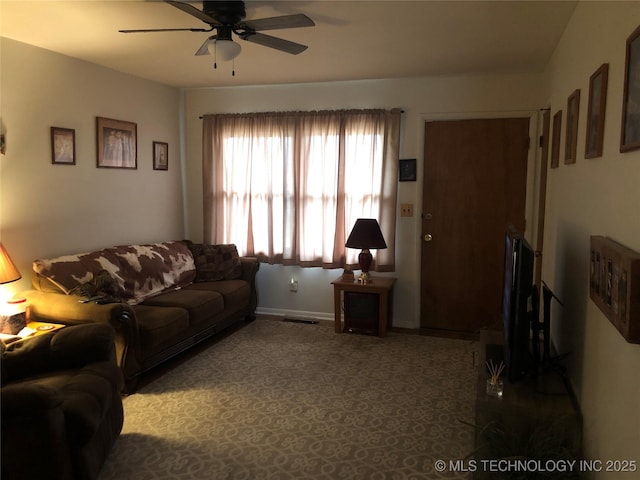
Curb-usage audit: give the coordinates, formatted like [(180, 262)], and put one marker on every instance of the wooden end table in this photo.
[(382, 287), (39, 328)]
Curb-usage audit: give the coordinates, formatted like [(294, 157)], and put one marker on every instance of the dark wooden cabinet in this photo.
[(367, 307), (532, 414)]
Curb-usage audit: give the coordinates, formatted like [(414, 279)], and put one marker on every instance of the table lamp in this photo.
[(366, 235), (15, 320), (8, 271)]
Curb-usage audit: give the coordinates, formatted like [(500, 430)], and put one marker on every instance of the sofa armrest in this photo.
[(19, 399), (250, 267), (69, 348), (65, 309)]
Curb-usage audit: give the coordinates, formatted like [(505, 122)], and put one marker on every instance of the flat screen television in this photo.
[(517, 304)]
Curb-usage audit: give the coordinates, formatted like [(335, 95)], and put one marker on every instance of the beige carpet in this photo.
[(279, 400)]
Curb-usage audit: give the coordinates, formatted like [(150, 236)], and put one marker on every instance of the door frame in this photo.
[(534, 158)]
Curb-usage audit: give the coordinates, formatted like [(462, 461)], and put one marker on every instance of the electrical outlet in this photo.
[(293, 285), (406, 209)]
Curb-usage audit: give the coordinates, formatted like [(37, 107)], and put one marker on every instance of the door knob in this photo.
[(428, 237)]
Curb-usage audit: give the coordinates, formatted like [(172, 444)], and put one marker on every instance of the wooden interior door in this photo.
[(474, 186)]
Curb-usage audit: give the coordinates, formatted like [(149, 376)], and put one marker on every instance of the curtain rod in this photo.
[(202, 116)]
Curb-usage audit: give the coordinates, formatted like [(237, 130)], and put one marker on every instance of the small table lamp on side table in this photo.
[(13, 318), (12, 315), (366, 235)]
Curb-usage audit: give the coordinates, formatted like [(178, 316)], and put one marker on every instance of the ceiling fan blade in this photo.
[(191, 10), (274, 42), (204, 48), (147, 30), (276, 23)]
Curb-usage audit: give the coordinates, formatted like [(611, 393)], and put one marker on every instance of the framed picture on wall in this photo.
[(555, 139), (117, 143), (630, 134), (595, 113), (63, 146), (160, 156), (571, 138), (407, 170)]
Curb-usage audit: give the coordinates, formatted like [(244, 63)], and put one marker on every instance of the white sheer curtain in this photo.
[(288, 187)]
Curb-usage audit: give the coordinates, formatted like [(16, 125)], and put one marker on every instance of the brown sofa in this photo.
[(160, 298), (61, 405)]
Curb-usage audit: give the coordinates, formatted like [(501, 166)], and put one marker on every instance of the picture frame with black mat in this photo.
[(407, 170)]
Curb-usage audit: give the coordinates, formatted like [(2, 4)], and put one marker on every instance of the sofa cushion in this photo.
[(202, 305), (235, 292), (140, 271), (157, 325), (215, 262)]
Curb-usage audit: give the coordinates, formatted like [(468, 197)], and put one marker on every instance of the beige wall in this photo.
[(421, 99), (49, 210), (594, 197)]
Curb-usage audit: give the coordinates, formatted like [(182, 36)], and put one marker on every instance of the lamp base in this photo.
[(12, 324), (364, 259)]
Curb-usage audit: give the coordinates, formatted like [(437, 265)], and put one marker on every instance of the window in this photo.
[(288, 187)]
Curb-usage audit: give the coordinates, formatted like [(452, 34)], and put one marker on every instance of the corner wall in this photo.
[(596, 196), (48, 210)]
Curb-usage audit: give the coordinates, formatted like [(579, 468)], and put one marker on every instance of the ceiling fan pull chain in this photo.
[(233, 68)]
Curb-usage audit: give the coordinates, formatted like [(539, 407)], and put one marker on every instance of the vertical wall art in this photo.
[(630, 134), (595, 114), (555, 139), (63, 146), (160, 156), (571, 138)]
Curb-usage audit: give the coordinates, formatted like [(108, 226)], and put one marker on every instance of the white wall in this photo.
[(48, 210), (421, 99), (594, 197)]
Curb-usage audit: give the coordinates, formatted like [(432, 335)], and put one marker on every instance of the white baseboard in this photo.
[(298, 314)]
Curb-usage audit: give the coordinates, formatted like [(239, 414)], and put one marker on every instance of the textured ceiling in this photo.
[(352, 40)]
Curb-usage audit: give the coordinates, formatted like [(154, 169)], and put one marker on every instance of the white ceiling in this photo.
[(352, 40)]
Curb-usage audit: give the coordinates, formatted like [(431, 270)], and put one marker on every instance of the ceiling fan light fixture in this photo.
[(224, 50)]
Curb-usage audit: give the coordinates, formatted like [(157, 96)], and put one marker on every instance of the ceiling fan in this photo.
[(227, 17)]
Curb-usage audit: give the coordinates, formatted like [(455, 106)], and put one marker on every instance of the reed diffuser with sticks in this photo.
[(495, 386)]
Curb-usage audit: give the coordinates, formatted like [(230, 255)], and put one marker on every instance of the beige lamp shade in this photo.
[(8, 270)]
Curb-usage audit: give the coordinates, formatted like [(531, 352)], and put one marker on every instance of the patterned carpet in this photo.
[(280, 400)]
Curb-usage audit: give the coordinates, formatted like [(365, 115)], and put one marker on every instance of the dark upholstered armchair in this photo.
[(61, 404)]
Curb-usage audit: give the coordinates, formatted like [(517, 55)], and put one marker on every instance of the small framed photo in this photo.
[(571, 138), (555, 139), (407, 170), (160, 156), (630, 134), (63, 146), (595, 113), (117, 143)]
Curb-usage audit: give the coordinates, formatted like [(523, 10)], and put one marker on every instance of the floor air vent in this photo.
[(301, 320)]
